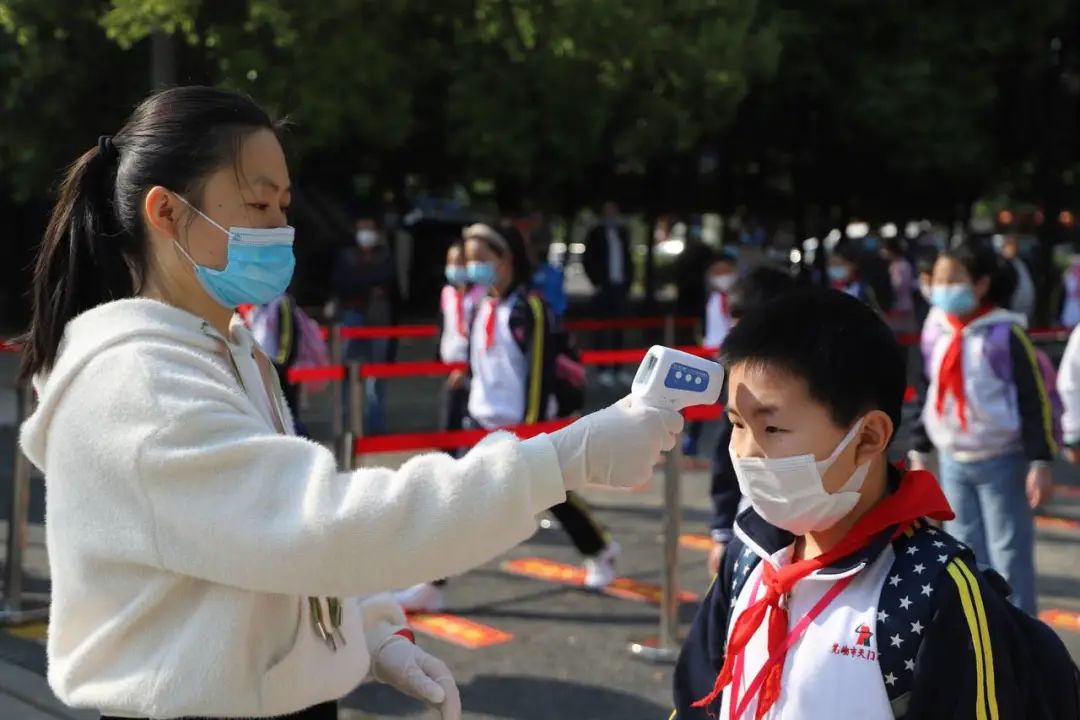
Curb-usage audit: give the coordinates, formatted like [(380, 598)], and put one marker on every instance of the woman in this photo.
[(196, 545)]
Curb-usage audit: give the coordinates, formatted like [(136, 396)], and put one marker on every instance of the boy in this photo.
[(836, 599)]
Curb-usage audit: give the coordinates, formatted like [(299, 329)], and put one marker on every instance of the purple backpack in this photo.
[(998, 354)]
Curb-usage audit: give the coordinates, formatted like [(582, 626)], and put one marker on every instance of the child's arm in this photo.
[(1068, 386), (1036, 413), (977, 661), (702, 654), (725, 487)]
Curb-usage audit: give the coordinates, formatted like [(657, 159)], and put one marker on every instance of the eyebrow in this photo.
[(263, 180), (759, 411)]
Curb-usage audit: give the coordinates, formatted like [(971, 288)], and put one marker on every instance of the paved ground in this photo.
[(568, 655)]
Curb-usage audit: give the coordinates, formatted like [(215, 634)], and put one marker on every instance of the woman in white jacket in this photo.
[(197, 546)]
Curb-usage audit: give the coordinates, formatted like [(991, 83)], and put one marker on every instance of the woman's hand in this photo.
[(616, 446), (404, 666)]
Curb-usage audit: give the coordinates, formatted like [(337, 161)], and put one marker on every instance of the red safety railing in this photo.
[(456, 439), (579, 325), (9, 346)]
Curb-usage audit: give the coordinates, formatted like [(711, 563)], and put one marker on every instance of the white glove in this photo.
[(617, 446), (405, 667)]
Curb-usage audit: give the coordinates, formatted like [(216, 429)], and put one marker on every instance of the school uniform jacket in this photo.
[(943, 648), (1003, 414), (511, 375)]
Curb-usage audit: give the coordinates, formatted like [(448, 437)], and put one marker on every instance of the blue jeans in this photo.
[(994, 519), (366, 351)]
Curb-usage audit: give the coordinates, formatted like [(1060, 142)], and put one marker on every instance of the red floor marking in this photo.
[(625, 588), (1064, 619), (1067, 491), (458, 630), (1057, 523), (693, 541)]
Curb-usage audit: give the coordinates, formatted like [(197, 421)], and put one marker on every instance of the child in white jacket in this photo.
[(197, 546)]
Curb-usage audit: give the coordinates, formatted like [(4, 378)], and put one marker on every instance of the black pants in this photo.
[(611, 301), (576, 518), (322, 711)]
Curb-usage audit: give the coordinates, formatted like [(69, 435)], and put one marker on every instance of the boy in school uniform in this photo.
[(836, 598)]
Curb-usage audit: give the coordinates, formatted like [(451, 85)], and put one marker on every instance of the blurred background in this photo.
[(775, 126)]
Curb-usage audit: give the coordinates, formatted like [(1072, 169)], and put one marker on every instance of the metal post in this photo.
[(336, 408), (665, 648), (356, 416), (13, 610)]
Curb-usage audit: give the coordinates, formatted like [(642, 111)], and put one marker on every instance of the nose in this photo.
[(745, 446)]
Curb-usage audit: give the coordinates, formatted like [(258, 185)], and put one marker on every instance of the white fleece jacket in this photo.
[(184, 532)]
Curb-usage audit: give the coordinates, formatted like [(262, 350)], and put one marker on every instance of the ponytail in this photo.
[(85, 258)]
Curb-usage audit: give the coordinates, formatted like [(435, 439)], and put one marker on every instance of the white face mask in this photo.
[(367, 238), (789, 493), (722, 283)]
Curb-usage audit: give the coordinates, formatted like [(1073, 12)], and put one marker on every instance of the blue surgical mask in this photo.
[(955, 299), (259, 265), (456, 275), (838, 273), (481, 273)]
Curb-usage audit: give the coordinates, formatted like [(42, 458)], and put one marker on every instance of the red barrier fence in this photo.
[(579, 325), (8, 346), (454, 439)]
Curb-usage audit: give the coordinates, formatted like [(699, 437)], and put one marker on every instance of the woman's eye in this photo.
[(259, 206), (772, 430)]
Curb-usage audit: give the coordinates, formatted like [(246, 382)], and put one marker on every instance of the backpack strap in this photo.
[(906, 605), (534, 399), (744, 565)]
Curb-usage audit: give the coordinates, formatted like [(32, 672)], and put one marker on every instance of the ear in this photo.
[(874, 436), (160, 208)]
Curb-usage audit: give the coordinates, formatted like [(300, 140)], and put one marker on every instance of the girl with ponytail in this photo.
[(199, 550)]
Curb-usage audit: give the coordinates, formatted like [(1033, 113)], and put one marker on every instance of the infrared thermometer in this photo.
[(675, 379)]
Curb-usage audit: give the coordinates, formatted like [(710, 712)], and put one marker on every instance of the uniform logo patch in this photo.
[(863, 635)]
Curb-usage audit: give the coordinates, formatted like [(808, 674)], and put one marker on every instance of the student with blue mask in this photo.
[(205, 561)]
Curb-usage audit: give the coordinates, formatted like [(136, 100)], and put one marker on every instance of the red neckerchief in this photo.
[(918, 495), (951, 372), (489, 326), (459, 299)]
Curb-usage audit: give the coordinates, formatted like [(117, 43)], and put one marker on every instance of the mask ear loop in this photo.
[(827, 463), (208, 219)]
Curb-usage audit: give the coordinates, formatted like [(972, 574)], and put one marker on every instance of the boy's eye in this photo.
[(735, 423)]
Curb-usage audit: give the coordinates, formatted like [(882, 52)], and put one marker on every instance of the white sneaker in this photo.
[(606, 379), (424, 597), (626, 377), (600, 570)]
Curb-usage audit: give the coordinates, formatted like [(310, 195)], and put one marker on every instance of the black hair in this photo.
[(519, 254), (723, 255), (895, 245), (95, 246), (847, 250), (757, 287), (982, 262), (849, 358)]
